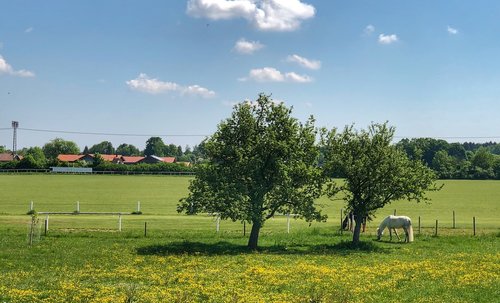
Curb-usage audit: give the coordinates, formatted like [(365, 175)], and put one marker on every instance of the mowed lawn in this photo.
[(84, 258)]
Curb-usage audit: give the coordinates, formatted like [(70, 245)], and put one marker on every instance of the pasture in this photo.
[(85, 259)]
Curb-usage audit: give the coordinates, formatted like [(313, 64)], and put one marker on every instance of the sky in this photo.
[(92, 71)]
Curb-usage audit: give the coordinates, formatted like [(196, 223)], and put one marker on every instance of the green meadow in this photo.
[(84, 258), (159, 195)]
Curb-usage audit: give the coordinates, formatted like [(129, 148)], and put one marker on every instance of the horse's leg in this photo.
[(395, 231), (406, 234), (390, 234)]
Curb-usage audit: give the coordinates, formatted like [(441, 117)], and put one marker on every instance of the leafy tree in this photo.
[(2, 149), (261, 161), (59, 146), (155, 146), (483, 159), (36, 153), (376, 172), (443, 164), (128, 150), (104, 148), (86, 150)]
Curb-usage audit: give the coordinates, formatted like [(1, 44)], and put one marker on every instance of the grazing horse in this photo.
[(393, 222)]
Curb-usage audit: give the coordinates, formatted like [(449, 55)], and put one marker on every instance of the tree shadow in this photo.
[(227, 248)]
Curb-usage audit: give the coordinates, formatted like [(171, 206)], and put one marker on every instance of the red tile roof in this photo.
[(69, 158), (131, 159), (168, 159), (109, 157)]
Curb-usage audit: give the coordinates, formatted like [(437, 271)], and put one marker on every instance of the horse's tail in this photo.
[(410, 233)]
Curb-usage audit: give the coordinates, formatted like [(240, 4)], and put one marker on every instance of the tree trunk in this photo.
[(357, 229), (254, 235)]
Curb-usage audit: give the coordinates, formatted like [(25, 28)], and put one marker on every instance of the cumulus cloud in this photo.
[(270, 74), (387, 39), (369, 29), (451, 30), (144, 83), (6, 68), (243, 46), (304, 62), (270, 15), (28, 30)]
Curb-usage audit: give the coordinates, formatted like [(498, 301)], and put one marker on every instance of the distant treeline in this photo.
[(449, 160), (456, 160)]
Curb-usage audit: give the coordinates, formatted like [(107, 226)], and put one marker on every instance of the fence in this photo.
[(48, 171), (419, 226)]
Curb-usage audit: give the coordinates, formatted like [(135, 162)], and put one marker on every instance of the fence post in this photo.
[(288, 223), (120, 222), (145, 229), (453, 219), (394, 212), (77, 206), (341, 221), (244, 228), (436, 228), (31, 206), (138, 206), (419, 225), (474, 225), (46, 225), (217, 224)]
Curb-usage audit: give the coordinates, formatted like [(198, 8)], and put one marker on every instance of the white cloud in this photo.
[(310, 64), (271, 15), (28, 30), (6, 68), (144, 83), (270, 74), (198, 90), (452, 30), (266, 74), (243, 46), (369, 29), (294, 77), (387, 39)]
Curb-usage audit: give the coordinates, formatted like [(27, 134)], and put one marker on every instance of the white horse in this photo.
[(393, 222)]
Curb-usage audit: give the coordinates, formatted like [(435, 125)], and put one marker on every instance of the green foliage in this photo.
[(2, 149), (155, 146), (105, 148), (142, 167), (59, 146), (128, 150), (375, 171), (261, 161)]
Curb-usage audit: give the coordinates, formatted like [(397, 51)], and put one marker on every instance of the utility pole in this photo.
[(15, 125)]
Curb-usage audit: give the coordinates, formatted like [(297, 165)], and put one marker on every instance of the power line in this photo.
[(204, 135), (109, 134)]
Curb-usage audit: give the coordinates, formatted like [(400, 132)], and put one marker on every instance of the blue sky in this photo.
[(430, 68)]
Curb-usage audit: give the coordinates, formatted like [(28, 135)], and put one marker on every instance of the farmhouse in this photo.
[(119, 159), (7, 157)]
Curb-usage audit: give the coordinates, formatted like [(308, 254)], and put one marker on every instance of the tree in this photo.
[(155, 146), (375, 171), (127, 150), (37, 155), (2, 149), (59, 146), (104, 148), (261, 161)]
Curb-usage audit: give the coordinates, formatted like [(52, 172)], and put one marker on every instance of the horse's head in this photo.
[(379, 233)]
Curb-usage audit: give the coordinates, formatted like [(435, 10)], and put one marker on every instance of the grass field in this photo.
[(182, 259)]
